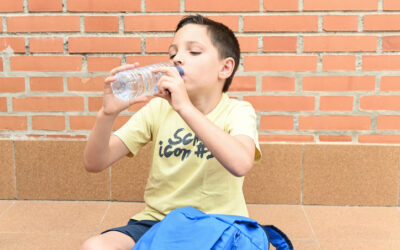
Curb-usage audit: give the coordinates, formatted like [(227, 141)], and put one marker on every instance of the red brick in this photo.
[(375, 138), (3, 104), (101, 24), (46, 84), (86, 84), (45, 5), (12, 84), (280, 63), (380, 102), (381, 62), (222, 5), (336, 103), (391, 5), (340, 5), (95, 103), (338, 83), (120, 121), (1, 64), (231, 22), (336, 122), (1, 25), (43, 24), (104, 44), (388, 122), (338, 62), (278, 83), (280, 23), (46, 44), (248, 43), (46, 63), (276, 122), (282, 103), (11, 6), (383, 22), (335, 138), (162, 6), (17, 44), (146, 60), (243, 83), (103, 5), (48, 104), (13, 123), (339, 43), (102, 64), (391, 43), (158, 44), (390, 83), (140, 105), (340, 23), (281, 5), (48, 122), (151, 23), (286, 138), (82, 122), (280, 44)]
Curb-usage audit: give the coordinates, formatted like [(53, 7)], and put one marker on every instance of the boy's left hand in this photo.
[(172, 88)]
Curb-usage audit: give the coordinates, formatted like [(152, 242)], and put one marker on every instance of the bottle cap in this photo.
[(180, 70)]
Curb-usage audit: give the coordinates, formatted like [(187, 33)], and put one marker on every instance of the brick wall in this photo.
[(315, 71)]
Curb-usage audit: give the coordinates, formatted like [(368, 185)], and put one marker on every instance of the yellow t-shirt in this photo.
[(183, 172)]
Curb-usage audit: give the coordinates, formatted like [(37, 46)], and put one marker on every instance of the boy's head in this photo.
[(221, 37)]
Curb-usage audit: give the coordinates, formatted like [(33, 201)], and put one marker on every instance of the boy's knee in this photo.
[(94, 243), (108, 241)]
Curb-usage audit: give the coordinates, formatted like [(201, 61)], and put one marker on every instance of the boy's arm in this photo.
[(235, 153), (102, 149)]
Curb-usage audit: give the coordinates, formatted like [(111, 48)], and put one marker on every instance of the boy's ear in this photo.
[(227, 66)]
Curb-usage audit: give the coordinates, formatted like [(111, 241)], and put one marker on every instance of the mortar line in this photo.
[(102, 219), (302, 174), (15, 170), (311, 227), (398, 188)]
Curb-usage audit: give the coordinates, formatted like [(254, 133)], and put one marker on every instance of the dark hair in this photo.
[(221, 37)]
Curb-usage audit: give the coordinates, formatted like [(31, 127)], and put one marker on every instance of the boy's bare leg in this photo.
[(109, 241)]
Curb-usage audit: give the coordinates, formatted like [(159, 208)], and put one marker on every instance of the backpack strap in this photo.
[(277, 238)]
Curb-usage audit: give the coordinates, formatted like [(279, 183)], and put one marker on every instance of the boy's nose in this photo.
[(178, 60)]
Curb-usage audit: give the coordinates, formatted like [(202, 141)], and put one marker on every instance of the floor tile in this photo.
[(119, 214), (305, 245), (53, 217), (38, 241), (4, 205), (290, 219), (360, 245), (354, 223)]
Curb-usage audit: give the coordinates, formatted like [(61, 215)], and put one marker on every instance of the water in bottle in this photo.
[(139, 81)]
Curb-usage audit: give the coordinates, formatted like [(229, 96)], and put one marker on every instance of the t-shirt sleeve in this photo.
[(137, 132), (243, 121)]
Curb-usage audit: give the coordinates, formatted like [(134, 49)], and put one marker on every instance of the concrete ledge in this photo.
[(321, 174)]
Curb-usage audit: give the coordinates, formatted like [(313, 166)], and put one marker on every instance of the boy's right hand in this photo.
[(112, 105)]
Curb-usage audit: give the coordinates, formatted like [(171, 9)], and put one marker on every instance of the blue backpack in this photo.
[(189, 228)]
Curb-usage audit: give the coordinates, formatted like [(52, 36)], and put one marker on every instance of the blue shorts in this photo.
[(135, 229)]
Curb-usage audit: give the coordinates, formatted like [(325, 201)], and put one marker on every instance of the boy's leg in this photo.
[(109, 241)]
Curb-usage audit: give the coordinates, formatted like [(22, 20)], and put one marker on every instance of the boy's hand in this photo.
[(112, 105), (172, 88)]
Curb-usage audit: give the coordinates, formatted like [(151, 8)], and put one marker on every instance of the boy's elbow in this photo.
[(91, 168), (243, 168)]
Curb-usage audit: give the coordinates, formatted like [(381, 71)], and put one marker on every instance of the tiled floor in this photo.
[(66, 224)]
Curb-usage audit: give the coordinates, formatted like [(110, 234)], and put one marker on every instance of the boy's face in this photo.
[(193, 51)]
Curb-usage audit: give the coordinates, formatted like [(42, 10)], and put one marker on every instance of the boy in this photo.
[(203, 142)]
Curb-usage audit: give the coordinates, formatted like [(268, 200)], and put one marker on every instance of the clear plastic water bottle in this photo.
[(139, 81)]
